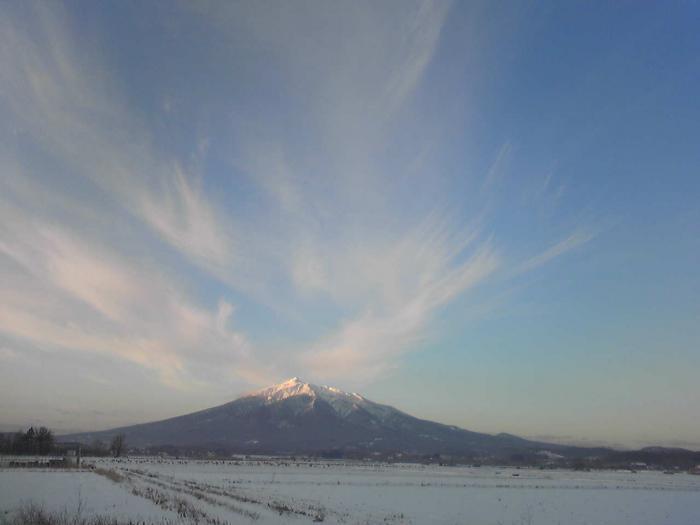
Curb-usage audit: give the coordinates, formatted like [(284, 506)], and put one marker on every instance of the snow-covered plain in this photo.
[(77, 493), (272, 491)]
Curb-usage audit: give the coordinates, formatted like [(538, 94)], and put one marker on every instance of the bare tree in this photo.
[(44, 441), (117, 445), (98, 448)]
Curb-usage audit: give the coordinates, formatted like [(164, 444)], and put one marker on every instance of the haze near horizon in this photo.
[(484, 215)]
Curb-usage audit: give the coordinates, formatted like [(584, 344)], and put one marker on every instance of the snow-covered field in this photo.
[(272, 491)]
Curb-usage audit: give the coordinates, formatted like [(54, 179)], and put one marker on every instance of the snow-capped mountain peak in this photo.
[(290, 388), (342, 402)]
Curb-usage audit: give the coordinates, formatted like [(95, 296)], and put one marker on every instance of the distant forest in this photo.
[(41, 442), (35, 442)]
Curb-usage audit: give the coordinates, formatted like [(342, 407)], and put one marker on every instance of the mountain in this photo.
[(297, 417)]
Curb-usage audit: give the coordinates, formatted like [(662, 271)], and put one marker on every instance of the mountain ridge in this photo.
[(299, 417)]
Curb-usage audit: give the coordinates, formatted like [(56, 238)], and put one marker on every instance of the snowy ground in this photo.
[(271, 491)]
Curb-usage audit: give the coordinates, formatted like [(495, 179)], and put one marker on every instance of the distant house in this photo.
[(695, 470)]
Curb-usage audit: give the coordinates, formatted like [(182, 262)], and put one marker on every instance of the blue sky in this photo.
[(482, 213)]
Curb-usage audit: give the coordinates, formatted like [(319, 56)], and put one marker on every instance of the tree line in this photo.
[(115, 448), (41, 442), (38, 442)]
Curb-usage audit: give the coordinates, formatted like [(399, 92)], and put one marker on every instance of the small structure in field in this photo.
[(71, 455), (72, 458)]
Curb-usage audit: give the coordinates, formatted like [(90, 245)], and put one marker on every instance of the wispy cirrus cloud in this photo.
[(61, 291), (571, 242), (374, 341), (182, 214), (72, 284), (116, 244), (60, 98)]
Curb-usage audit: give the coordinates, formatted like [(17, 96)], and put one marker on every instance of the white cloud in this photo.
[(367, 345), (498, 167), (181, 214), (67, 292), (7, 354), (571, 242), (62, 98)]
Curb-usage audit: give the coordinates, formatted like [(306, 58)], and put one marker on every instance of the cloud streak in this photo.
[(573, 241), (61, 291), (372, 342), (67, 107)]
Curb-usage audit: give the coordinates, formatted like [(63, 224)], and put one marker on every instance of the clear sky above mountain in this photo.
[(485, 214)]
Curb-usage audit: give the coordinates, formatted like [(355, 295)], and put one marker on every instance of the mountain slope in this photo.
[(298, 417)]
